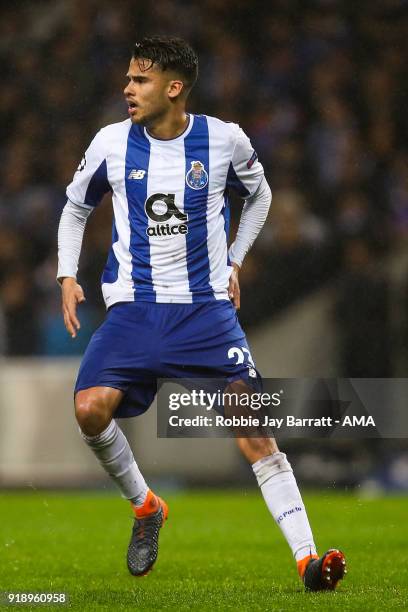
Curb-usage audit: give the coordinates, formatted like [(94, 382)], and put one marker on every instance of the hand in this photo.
[(72, 295), (233, 287)]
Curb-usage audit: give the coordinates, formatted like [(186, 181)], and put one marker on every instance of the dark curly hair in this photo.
[(169, 53)]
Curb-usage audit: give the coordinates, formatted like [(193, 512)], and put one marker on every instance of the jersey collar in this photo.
[(181, 136)]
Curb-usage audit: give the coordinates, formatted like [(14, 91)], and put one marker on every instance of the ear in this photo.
[(175, 88)]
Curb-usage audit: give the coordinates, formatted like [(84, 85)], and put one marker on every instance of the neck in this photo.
[(169, 126)]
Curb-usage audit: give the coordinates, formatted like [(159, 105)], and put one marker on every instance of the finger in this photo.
[(80, 297), (233, 293), (237, 301), (68, 324), (237, 297), (70, 306), (73, 317)]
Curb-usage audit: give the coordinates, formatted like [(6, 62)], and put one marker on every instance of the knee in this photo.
[(91, 413)]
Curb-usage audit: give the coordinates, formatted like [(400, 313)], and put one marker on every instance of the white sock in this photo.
[(115, 456), (282, 496)]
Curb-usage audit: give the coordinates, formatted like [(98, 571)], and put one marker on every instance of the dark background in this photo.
[(319, 87)]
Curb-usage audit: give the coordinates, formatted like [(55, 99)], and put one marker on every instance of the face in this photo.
[(149, 93)]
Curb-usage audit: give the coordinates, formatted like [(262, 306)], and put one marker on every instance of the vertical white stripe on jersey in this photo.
[(168, 254), (216, 237), (122, 289)]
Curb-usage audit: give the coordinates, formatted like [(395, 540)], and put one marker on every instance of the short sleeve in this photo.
[(245, 171), (90, 182)]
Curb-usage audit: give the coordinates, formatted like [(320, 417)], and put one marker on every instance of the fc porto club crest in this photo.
[(197, 176)]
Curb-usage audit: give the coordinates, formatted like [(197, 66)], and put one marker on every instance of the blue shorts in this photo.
[(140, 342)]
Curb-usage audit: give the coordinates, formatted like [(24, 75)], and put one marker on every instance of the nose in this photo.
[(128, 88)]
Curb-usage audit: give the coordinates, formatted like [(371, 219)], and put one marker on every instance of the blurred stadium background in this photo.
[(321, 89)]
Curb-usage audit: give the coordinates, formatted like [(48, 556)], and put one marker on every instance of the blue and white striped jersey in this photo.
[(170, 202)]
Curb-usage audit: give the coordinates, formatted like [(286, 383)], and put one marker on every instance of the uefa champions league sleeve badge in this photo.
[(82, 164), (197, 176)]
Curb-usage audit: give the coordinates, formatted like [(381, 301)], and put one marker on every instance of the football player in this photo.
[(171, 286)]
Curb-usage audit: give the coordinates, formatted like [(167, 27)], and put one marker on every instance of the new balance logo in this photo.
[(136, 174)]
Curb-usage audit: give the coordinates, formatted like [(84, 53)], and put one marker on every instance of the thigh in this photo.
[(121, 355), (210, 342)]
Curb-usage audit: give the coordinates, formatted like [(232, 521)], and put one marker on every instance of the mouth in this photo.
[(132, 107)]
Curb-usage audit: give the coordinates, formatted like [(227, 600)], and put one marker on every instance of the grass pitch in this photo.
[(218, 551)]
